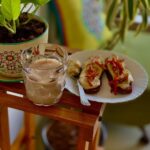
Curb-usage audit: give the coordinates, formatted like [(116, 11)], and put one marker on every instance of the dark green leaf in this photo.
[(149, 2), (145, 18), (131, 9), (25, 1), (10, 9), (39, 2), (145, 3), (35, 2), (139, 29), (124, 21), (111, 13)]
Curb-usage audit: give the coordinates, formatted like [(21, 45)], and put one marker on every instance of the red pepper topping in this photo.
[(92, 71), (95, 60), (91, 74), (113, 84), (118, 69), (116, 65)]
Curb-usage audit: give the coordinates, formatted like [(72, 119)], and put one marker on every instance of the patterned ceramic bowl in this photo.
[(10, 65)]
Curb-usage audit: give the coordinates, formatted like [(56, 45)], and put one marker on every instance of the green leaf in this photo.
[(27, 1), (2, 20), (112, 12), (131, 9), (124, 21), (149, 2), (24, 1), (36, 2), (145, 13), (145, 18), (139, 29), (10, 9), (145, 3), (41, 2)]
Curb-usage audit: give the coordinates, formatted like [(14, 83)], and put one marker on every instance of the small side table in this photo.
[(68, 110)]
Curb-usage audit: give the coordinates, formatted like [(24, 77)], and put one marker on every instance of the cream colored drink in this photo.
[(45, 81)]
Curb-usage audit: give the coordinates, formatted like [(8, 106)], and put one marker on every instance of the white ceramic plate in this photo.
[(104, 95)]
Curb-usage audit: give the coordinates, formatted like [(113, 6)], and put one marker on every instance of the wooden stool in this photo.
[(86, 118)]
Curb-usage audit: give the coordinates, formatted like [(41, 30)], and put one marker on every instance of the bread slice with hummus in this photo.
[(91, 74), (120, 78)]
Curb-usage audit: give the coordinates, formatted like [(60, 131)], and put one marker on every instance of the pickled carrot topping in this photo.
[(117, 66), (95, 61), (113, 84), (118, 69), (91, 74), (92, 71)]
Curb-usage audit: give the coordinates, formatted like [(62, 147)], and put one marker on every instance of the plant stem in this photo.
[(112, 42), (14, 26), (9, 29)]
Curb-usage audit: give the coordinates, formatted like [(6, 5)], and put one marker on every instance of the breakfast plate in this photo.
[(104, 95)]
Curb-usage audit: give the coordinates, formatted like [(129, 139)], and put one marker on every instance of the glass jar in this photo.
[(44, 69)]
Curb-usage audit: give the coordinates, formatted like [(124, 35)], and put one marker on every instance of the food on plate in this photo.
[(74, 68), (120, 78), (91, 74)]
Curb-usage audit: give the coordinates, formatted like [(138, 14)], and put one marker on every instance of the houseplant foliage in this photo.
[(11, 10), (120, 15), (20, 29)]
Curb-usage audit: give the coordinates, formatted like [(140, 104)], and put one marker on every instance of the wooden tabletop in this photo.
[(79, 115)]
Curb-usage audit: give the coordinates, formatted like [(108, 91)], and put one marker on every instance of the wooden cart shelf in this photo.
[(68, 110)]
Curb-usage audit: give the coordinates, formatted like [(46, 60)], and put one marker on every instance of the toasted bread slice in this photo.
[(120, 78), (91, 74)]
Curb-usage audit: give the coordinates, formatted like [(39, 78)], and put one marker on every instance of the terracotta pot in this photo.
[(10, 65)]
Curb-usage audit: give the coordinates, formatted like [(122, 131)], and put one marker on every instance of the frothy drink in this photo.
[(45, 81)]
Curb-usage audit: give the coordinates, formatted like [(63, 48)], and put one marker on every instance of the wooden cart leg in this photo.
[(17, 144), (4, 129), (29, 131), (81, 143), (94, 144)]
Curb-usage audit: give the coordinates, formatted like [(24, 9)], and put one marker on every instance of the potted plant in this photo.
[(20, 29), (120, 16)]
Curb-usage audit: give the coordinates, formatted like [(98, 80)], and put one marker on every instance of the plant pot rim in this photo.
[(28, 41)]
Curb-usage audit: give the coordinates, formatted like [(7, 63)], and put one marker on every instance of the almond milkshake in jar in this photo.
[(44, 69)]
